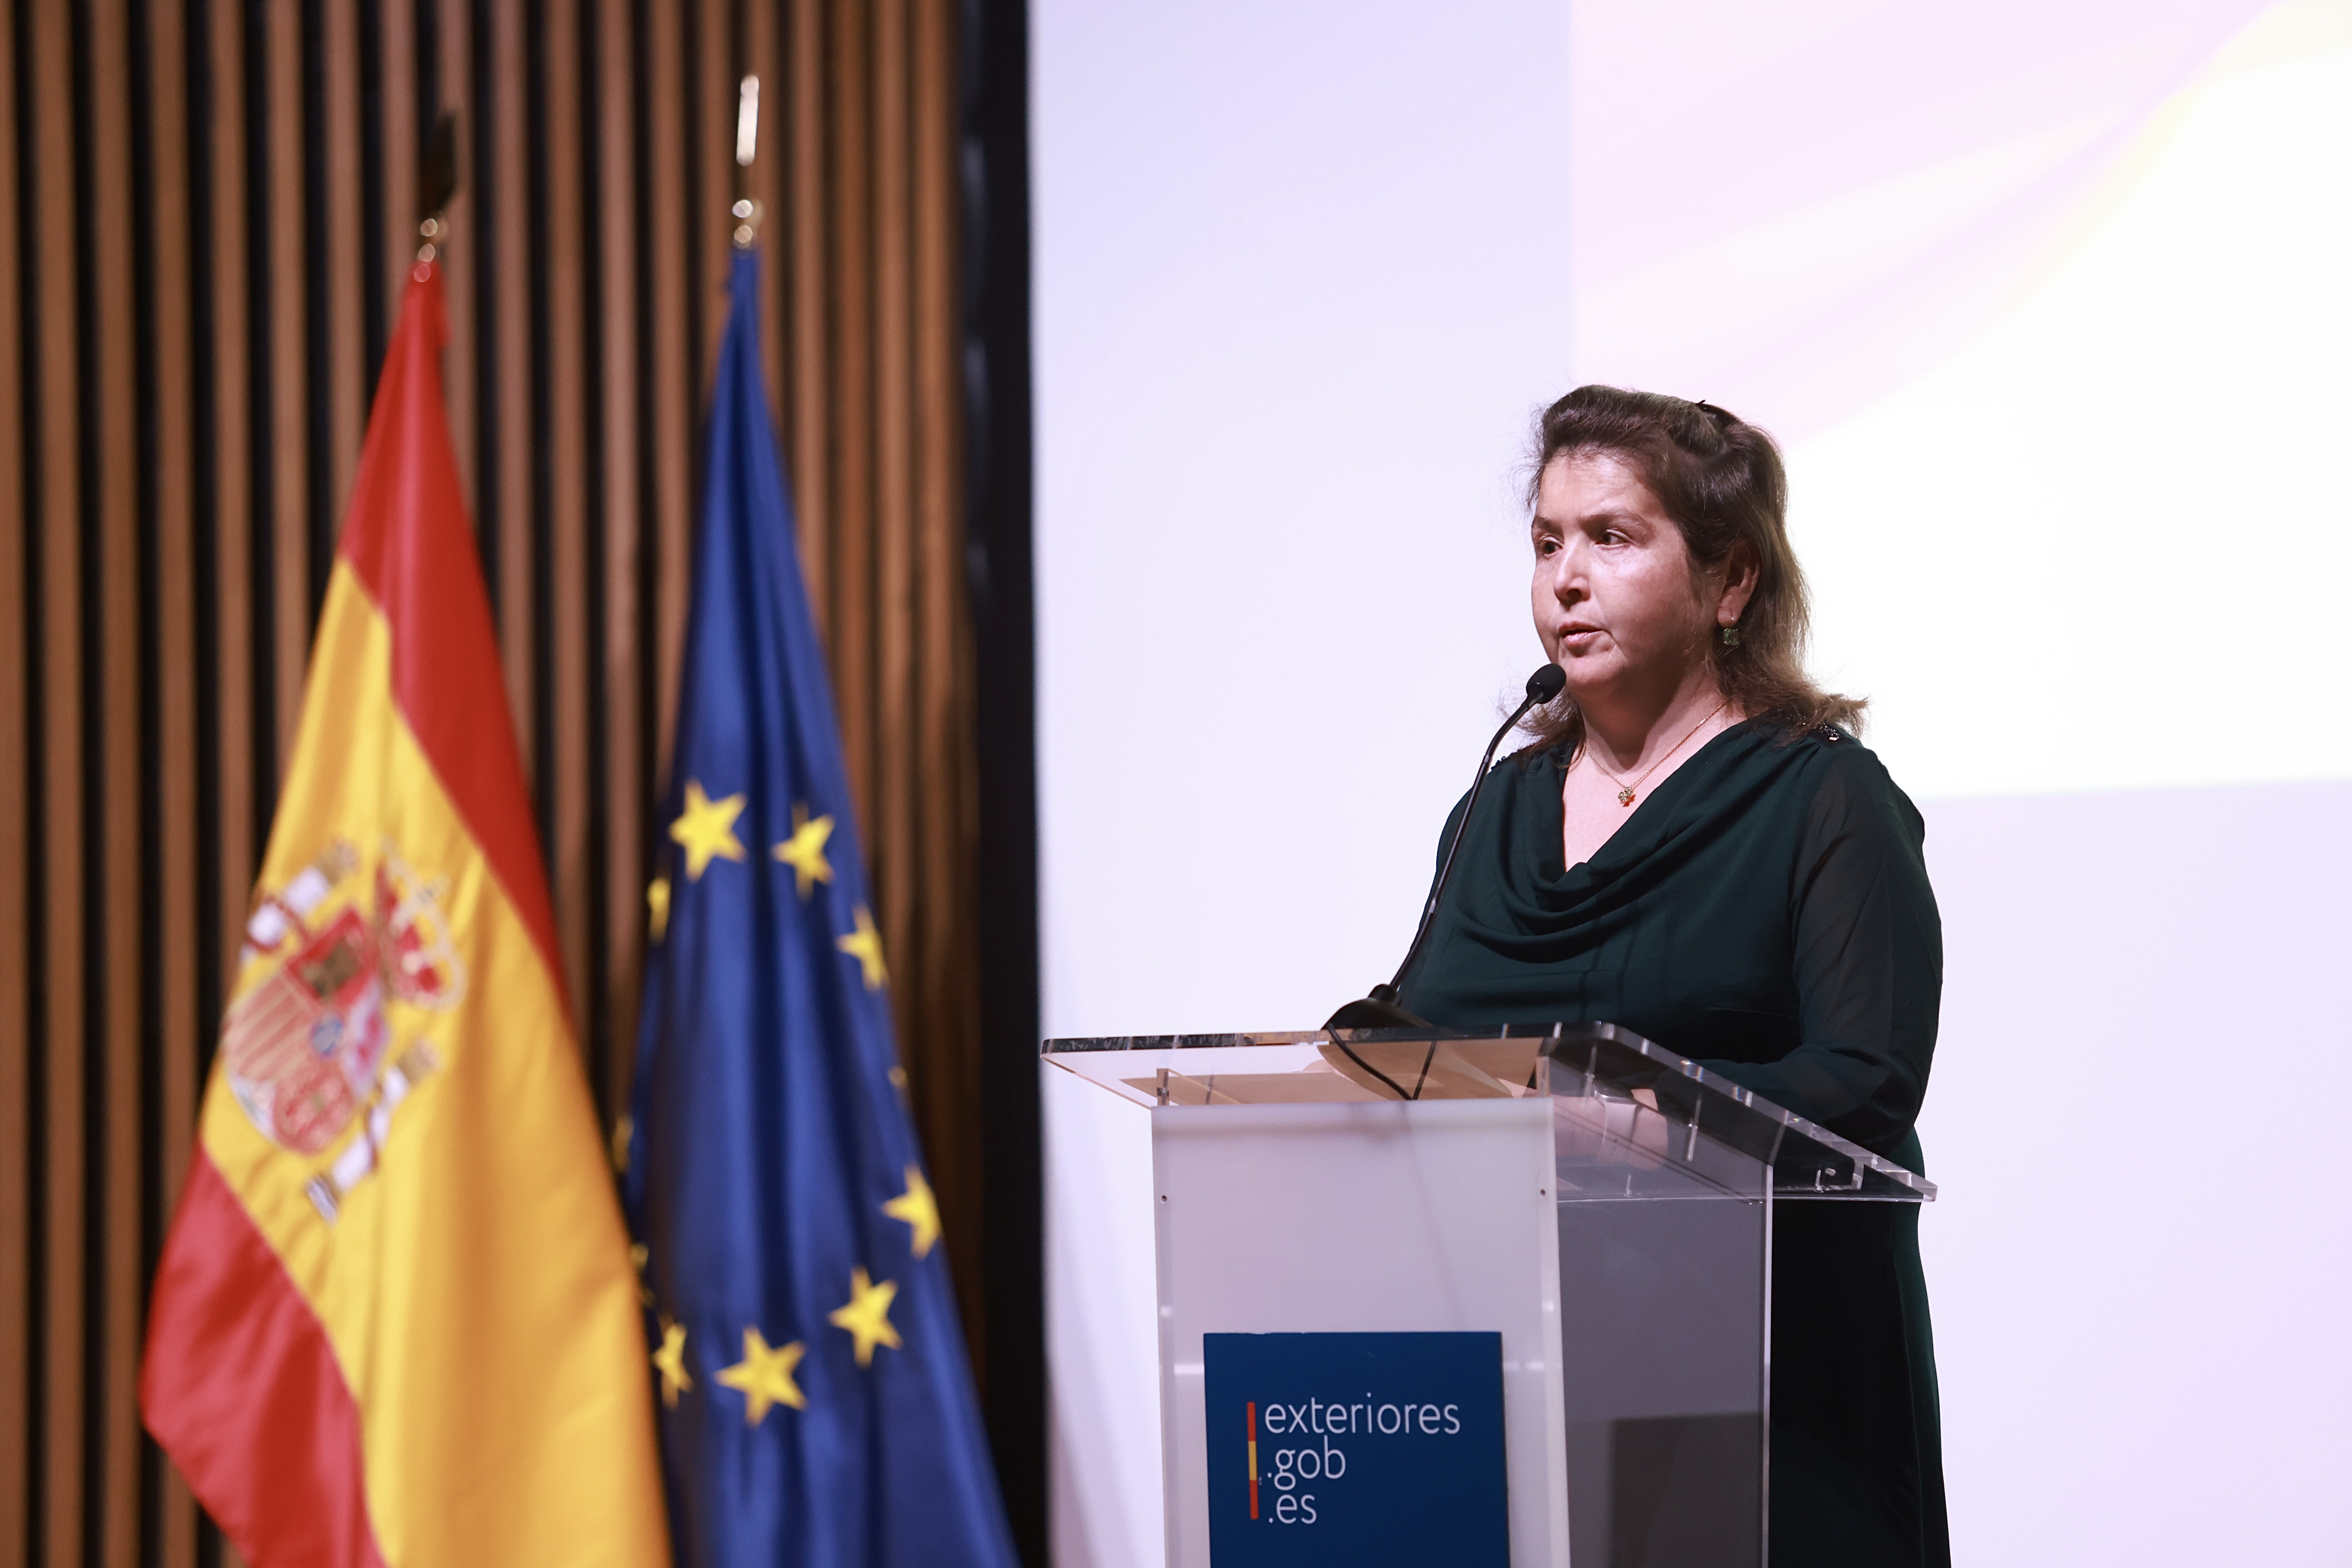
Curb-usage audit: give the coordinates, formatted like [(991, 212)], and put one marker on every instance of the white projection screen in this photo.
[(2050, 302)]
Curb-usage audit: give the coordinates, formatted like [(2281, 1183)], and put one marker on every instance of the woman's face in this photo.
[(1614, 602)]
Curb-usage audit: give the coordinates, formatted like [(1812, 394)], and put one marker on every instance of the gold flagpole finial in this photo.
[(747, 122)]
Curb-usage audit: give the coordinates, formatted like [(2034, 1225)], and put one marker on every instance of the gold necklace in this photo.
[(1625, 791)]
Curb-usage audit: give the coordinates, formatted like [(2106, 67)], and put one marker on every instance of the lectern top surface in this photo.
[(1642, 1094)]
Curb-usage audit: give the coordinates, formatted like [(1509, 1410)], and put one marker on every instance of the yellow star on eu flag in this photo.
[(764, 1377), (864, 945), (705, 829), (637, 1255), (868, 1316), (918, 1208), (657, 907), (670, 1361), (804, 850)]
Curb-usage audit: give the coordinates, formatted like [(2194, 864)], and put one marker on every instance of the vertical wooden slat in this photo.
[(623, 653), (713, 130), (946, 997), (396, 23), (347, 349), (569, 850), (849, 220), (258, 395), (233, 500), (672, 388), (175, 675), (117, 794), (801, 255), (893, 824), (17, 914), (518, 616), (289, 388), (60, 1267), (252, 436), (463, 251)]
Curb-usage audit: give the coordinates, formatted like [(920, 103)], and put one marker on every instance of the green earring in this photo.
[(1731, 637)]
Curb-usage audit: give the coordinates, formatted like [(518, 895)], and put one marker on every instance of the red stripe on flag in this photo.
[(242, 1389), (408, 540)]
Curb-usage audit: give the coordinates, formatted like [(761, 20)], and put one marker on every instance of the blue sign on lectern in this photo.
[(1356, 1449)]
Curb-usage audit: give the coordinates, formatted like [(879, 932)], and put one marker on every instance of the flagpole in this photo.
[(437, 184), (747, 211)]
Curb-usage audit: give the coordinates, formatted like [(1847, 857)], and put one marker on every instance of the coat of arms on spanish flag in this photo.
[(395, 1322)]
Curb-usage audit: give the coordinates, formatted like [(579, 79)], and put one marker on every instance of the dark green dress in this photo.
[(1765, 910)]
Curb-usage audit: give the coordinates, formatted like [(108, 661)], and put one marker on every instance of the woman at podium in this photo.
[(1698, 847)]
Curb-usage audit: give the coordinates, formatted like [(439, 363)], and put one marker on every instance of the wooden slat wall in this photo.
[(208, 206)]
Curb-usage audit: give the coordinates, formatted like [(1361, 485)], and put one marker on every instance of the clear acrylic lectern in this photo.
[(1602, 1204)]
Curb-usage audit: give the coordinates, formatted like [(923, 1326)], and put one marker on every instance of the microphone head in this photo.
[(1548, 682)]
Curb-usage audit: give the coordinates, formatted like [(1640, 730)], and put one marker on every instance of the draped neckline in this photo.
[(1539, 890)]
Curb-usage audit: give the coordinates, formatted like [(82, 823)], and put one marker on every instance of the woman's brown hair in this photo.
[(1720, 479)]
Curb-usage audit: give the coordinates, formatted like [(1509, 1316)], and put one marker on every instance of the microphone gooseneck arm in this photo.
[(1539, 690), (1381, 1009)]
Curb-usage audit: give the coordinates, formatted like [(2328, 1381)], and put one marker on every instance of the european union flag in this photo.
[(815, 1407)]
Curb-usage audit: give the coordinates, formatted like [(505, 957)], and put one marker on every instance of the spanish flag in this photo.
[(396, 1321)]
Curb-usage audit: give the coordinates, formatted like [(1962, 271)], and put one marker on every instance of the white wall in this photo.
[(1297, 293), (2137, 1264), (2046, 300)]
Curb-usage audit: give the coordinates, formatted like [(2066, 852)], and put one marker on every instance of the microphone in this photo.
[(1380, 1010)]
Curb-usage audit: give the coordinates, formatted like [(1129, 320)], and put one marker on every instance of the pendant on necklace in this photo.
[(1625, 796)]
